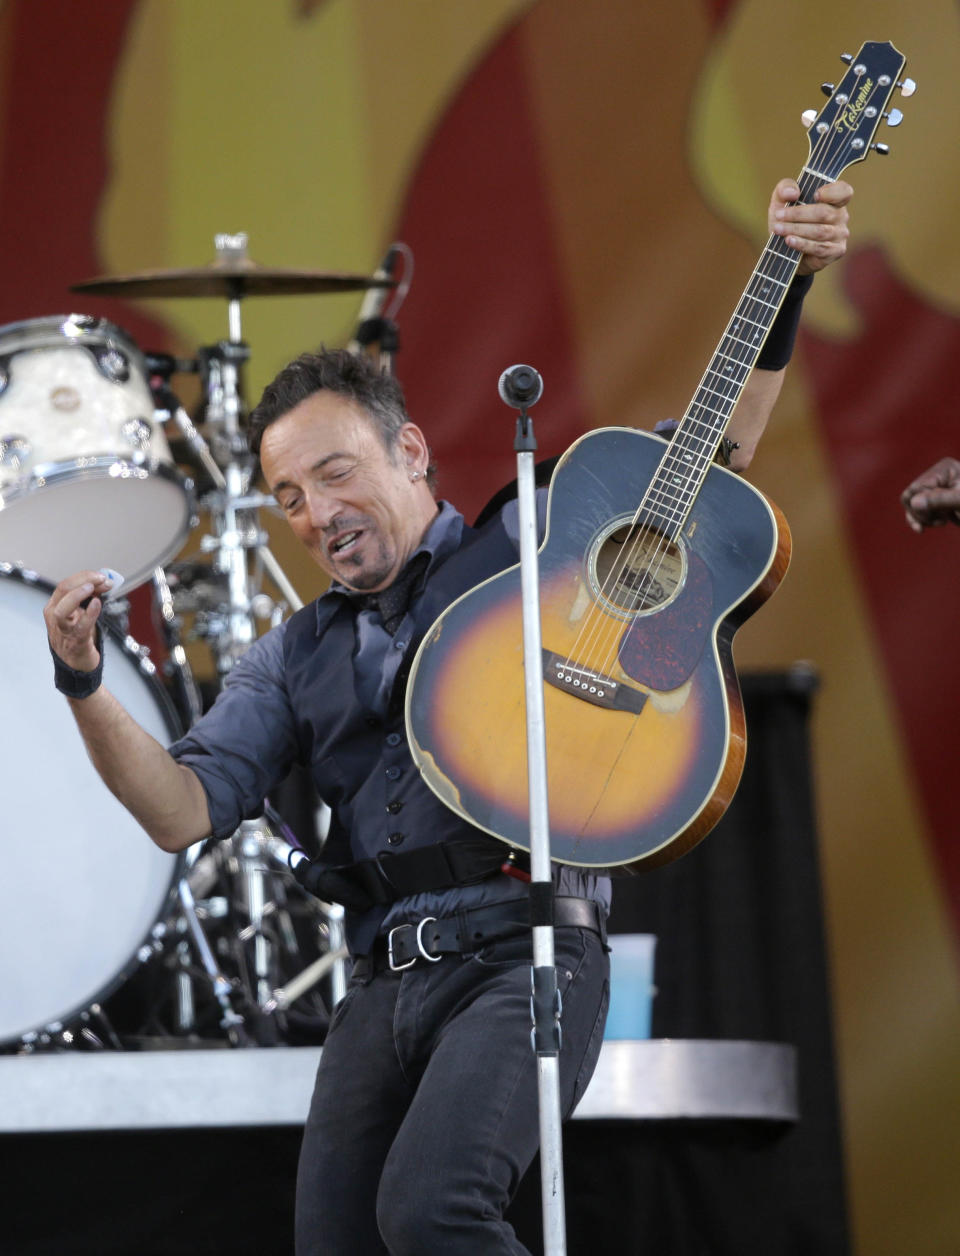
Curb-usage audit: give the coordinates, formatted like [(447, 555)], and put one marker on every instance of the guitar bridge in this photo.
[(590, 686)]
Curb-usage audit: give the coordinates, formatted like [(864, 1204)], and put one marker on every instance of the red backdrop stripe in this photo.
[(54, 162), (478, 219), (902, 420)]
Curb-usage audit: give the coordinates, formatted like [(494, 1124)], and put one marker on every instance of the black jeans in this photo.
[(425, 1113)]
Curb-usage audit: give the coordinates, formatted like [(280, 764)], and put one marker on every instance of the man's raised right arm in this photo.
[(164, 796)]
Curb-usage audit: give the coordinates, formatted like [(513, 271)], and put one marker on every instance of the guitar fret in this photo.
[(712, 426), (688, 455), (668, 519), (727, 358), (760, 273), (772, 251), (658, 513), (667, 503), (771, 305), (750, 346), (689, 471), (751, 312), (672, 506), (722, 396), (745, 318), (673, 491)]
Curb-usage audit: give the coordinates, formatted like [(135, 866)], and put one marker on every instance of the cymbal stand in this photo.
[(231, 1021), (229, 628)]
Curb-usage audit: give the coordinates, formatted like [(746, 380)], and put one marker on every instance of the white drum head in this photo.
[(82, 883), (81, 520)]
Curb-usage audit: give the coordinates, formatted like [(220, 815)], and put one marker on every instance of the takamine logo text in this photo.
[(849, 118)]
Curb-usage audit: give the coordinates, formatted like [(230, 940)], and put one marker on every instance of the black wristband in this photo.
[(778, 346), (73, 683)]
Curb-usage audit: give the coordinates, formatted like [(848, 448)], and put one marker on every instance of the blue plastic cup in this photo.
[(631, 985)]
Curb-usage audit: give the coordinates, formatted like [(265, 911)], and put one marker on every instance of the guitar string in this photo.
[(648, 551), (822, 154), (669, 498), (640, 555), (656, 526)]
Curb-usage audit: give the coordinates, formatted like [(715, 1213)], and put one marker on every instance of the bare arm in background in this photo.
[(820, 231)]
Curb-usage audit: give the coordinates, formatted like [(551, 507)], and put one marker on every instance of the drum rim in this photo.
[(145, 668), (84, 327), (139, 465)]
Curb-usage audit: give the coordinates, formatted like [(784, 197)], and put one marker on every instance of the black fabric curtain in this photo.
[(740, 955)]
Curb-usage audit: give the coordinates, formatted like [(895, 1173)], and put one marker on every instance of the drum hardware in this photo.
[(226, 599), (186, 1018), (176, 669), (375, 325), (231, 1021), (58, 1037)]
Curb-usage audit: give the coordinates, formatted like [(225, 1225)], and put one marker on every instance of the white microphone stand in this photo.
[(521, 387)]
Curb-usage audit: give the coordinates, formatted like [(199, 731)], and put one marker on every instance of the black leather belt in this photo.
[(431, 938)]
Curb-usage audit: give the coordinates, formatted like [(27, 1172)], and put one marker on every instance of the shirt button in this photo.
[(394, 739), (393, 774), (395, 839), (399, 645), (395, 806)]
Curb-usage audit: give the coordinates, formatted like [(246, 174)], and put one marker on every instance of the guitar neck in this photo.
[(694, 445)]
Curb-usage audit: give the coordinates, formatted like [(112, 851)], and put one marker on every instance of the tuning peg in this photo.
[(907, 87), (894, 117), (846, 56), (882, 149), (808, 117), (827, 88)]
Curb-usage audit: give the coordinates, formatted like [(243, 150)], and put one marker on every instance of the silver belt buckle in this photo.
[(398, 968)]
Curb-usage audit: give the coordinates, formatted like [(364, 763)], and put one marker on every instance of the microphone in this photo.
[(520, 387), (369, 326)]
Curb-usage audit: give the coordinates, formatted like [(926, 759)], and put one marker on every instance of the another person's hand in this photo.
[(71, 625), (819, 230), (933, 498)]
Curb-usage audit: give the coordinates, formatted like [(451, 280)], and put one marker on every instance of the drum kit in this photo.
[(107, 941)]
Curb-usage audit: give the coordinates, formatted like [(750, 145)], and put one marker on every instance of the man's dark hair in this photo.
[(351, 375)]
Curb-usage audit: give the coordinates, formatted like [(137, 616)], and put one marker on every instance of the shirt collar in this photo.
[(441, 539)]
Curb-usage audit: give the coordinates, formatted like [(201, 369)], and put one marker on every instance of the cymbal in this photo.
[(230, 278)]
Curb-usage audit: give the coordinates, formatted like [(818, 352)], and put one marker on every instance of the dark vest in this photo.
[(360, 761)]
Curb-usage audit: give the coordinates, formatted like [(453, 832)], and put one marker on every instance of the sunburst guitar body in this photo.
[(644, 719)]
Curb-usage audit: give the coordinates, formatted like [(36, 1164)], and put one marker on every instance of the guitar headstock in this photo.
[(842, 132)]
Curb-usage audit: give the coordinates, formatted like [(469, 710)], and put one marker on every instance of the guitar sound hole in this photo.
[(637, 568)]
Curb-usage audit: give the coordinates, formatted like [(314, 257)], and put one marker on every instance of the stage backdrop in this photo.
[(583, 188)]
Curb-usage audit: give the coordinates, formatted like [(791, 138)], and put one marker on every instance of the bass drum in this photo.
[(82, 884)]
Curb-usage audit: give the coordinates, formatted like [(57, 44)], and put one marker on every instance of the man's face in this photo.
[(352, 504)]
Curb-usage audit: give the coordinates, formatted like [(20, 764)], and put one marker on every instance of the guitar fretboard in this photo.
[(685, 463)]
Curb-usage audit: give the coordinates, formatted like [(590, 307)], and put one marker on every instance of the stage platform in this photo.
[(659, 1079)]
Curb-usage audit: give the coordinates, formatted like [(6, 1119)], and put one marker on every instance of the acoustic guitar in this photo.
[(653, 557)]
